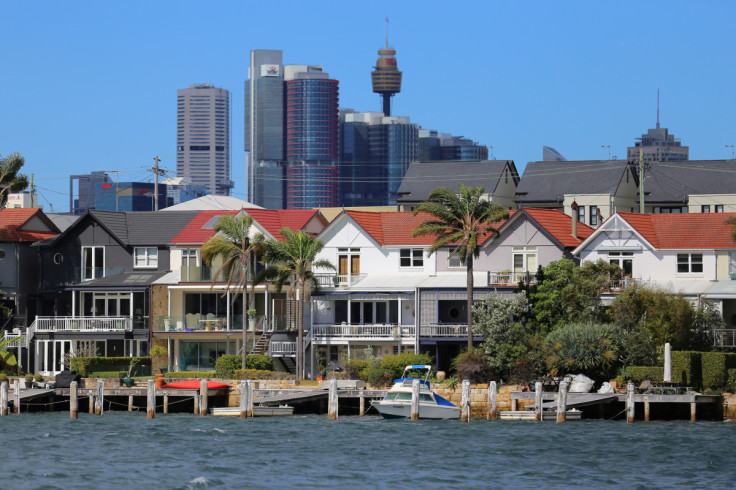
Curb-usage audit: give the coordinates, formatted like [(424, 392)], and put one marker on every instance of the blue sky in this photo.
[(92, 85)]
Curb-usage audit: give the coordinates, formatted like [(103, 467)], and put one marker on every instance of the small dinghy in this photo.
[(195, 384)]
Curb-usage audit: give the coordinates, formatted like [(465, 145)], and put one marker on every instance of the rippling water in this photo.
[(126, 450)]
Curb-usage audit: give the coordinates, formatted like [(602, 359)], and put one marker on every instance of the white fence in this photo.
[(338, 280), (444, 331), (82, 324), (364, 331)]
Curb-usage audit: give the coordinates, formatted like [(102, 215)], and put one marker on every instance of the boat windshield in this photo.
[(423, 397)]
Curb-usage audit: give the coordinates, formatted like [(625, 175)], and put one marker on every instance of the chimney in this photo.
[(574, 207)]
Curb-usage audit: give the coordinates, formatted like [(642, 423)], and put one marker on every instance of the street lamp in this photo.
[(609, 150), (732, 151)]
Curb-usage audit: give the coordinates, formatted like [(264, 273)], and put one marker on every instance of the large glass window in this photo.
[(93, 263), (145, 257), (625, 260), (525, 260), (411, 257), (689, 263), (202, 356), (348, 261), (454, 261)]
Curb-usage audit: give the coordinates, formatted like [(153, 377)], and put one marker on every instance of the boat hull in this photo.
[(397, 410)]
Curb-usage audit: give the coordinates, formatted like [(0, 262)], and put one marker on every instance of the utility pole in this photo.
[(31, 188), (156, 172), (641, 181)]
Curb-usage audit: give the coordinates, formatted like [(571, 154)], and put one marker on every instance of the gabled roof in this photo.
[(25, 225), (549, 181), (422, 178), (673, 182), (395, 228), (201, 228), (683, 231), (558, 225)]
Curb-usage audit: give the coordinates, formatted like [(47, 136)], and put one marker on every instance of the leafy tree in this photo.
[(10, 179), (234, 245), (294, 259), (584, 347), (472, 365), (461, 221)]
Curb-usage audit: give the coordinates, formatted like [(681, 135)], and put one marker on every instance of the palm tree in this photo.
[(459, 220), (235, 246), (294, 259), (10, 179)]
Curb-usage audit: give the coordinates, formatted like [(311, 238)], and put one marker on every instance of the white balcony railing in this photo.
[(724, 337), (338, 280), (364, 331), (82, 324), (444, 331), (15, 340), (282, 349)]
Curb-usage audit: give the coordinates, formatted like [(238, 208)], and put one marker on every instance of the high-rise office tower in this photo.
[(434, 146), (311, 133), (264, 128), (386, 77), (658, 145), (203, 137), (375, 152)]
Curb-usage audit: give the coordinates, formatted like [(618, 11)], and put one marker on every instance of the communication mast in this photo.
[(386, 76)]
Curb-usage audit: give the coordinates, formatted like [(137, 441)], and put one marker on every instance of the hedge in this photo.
[(84, 366), (715, 368), (191, 374), (732, 380), (686, 368), (108, 374), (226, 365), (637, 374), (260, 374)]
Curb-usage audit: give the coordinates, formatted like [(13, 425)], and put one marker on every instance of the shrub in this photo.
[(260, 374), (354, 368), (732, 380), (226, 365), (588, 348), (637, 374), (3, 377), (378, 376), (686, 368), (29, 377), (191, 375), (472, 366), (395, 364), (714, 368), (37, 377), (108, 374), (84, 366)]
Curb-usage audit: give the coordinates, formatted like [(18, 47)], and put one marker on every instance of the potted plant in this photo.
[(29, 380), (504, 276), (37, 378), (251, 319), (128, 380), (167, 323)]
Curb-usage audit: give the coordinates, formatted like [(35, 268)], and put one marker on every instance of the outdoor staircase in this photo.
[(289, 363), (261, 346)]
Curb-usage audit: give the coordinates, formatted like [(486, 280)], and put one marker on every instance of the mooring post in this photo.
[(130, 403), (166, 401), (362, 404), (91, 398), (203, 397), (465, 402), (630, 402), (249, 401), (100, 397), (196, 403), (646, 408), (4, 398), (492, 407), (514, 404), (538, 401), (243, 400), (151, 398), (667, 363), (693, 412), (16, 398), (332, 402), (562, 402), (73, 400), (415, 399)]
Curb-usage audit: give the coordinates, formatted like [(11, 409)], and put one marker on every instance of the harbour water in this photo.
[(125, 450)]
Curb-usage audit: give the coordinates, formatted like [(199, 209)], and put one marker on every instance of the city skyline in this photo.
[(92, 86)]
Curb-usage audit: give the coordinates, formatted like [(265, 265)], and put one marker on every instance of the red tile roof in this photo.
[(559, 225), (683, 231), (272, 220), (395, 227), (12, 229)]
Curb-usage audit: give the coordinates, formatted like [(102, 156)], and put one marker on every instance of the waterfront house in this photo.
[(199, 320), (95, 280)]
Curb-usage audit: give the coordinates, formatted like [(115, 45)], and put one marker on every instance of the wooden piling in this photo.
[(203, 398), (100, 397), (362, 404), (630, 403), (246, 399), (332, 403), (693, 412), (562, 402), (465, 402), (538, 401), (4, 398), (196, 404), (646, 408), (73, 400), (130, 403), (415, 399), (166, 401), (491, 412), (514, 405), (151, 398), (16, 398), (91, 407)]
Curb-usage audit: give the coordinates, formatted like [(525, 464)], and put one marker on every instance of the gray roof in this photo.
[(673, 182), (62, 220), (423, 177), (549, 181), (157, 228), (125, 281)]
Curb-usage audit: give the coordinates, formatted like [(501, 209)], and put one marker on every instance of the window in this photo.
[(93, 263), (411, 257), (689, 263), (670, 210), (348, 262), (525, 260), (705, 208), (581, 214), (625, 260), (145, 257), (593, 216), (719, 208), (454, 260), (58, 258)]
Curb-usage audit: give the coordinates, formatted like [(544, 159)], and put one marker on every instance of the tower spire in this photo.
[(386, 32), (657, 108)]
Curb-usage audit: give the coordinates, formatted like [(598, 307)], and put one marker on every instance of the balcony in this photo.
[(376, 332), (82, 324), (195, 322), (282, 349), (198, 274), (338, 280), (511, 278), (450, 331), (15, 340), (724, 337)]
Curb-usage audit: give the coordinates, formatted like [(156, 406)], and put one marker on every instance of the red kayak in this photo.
[(195, 384)]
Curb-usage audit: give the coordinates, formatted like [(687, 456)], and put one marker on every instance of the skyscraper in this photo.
[(434, 146), (658, 145), (203, 137)]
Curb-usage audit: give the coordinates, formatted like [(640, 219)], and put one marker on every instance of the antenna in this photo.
[(657, 108), (386, 32)]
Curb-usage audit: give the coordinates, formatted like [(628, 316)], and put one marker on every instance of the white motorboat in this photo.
[(397, 402)]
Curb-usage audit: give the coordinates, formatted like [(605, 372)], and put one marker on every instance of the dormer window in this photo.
[(145, 257)]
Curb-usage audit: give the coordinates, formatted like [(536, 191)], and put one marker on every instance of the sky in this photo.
[(88, 86)]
